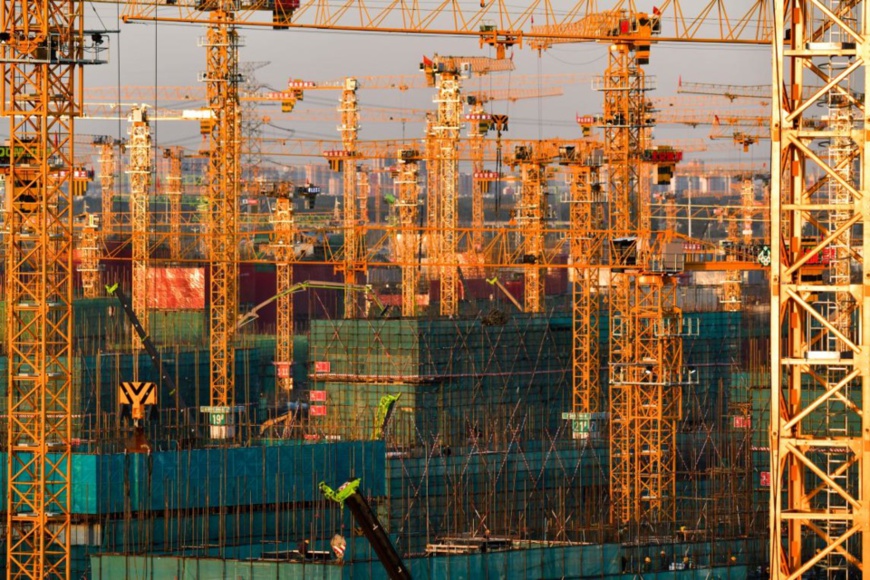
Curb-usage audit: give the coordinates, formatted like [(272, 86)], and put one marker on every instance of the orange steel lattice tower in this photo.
[(432, 237), (646, 325), (480, 122), (283, 237), (349, 128), (407, 204), (89, 252), (586, 219), (107, 147), (820, 320), (222, 80), (531, 210), (139, 170), (42, 54), (173, 191), (445, 74), (345, 161), (444, 134)]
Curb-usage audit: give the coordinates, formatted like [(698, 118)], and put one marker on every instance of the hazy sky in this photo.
[(162, 54)]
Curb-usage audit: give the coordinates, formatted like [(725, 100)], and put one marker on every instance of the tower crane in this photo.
[(222, 81), (355, 191), (530, 214), (89, 253), (432, 237), (739, 231), (344, 160), (445, 73), (745, 130), (407, 205), (521, 85), (139, 170), (107, 147), (582, 159), (283, 238), (646, 373), (42, 56), (743, 136), (586, 236), (645, 344), (173, 191), (250, 124), (221, 130), (820, 378), (465, 23), (480, 123)]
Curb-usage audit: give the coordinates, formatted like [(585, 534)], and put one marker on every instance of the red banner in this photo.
[(318, 396), (765, 479), (283, 370), (322, 367), (741, 422), (176, 288), (317, 410)]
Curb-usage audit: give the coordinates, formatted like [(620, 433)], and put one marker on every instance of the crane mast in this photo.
[(107, 182), (442, 144), (407, 206), (480, 124), (586, 218), (446, 135), (433, 200), (732, 285), (363, 192), (738, 230), (349, 128), (89, 250), (646, 324), (42, 57), (530, 214), (139, 170), (820, 320), (622, 84), (173, 190), (222, 80), (283, 234)]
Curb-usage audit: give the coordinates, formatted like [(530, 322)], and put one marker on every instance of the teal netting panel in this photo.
[(534, 561), (153, 568), (204, 478)]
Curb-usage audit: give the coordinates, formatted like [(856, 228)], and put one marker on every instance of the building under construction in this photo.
[(456, 354)]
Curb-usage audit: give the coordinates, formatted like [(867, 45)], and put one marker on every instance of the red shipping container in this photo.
[(317, 410)]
